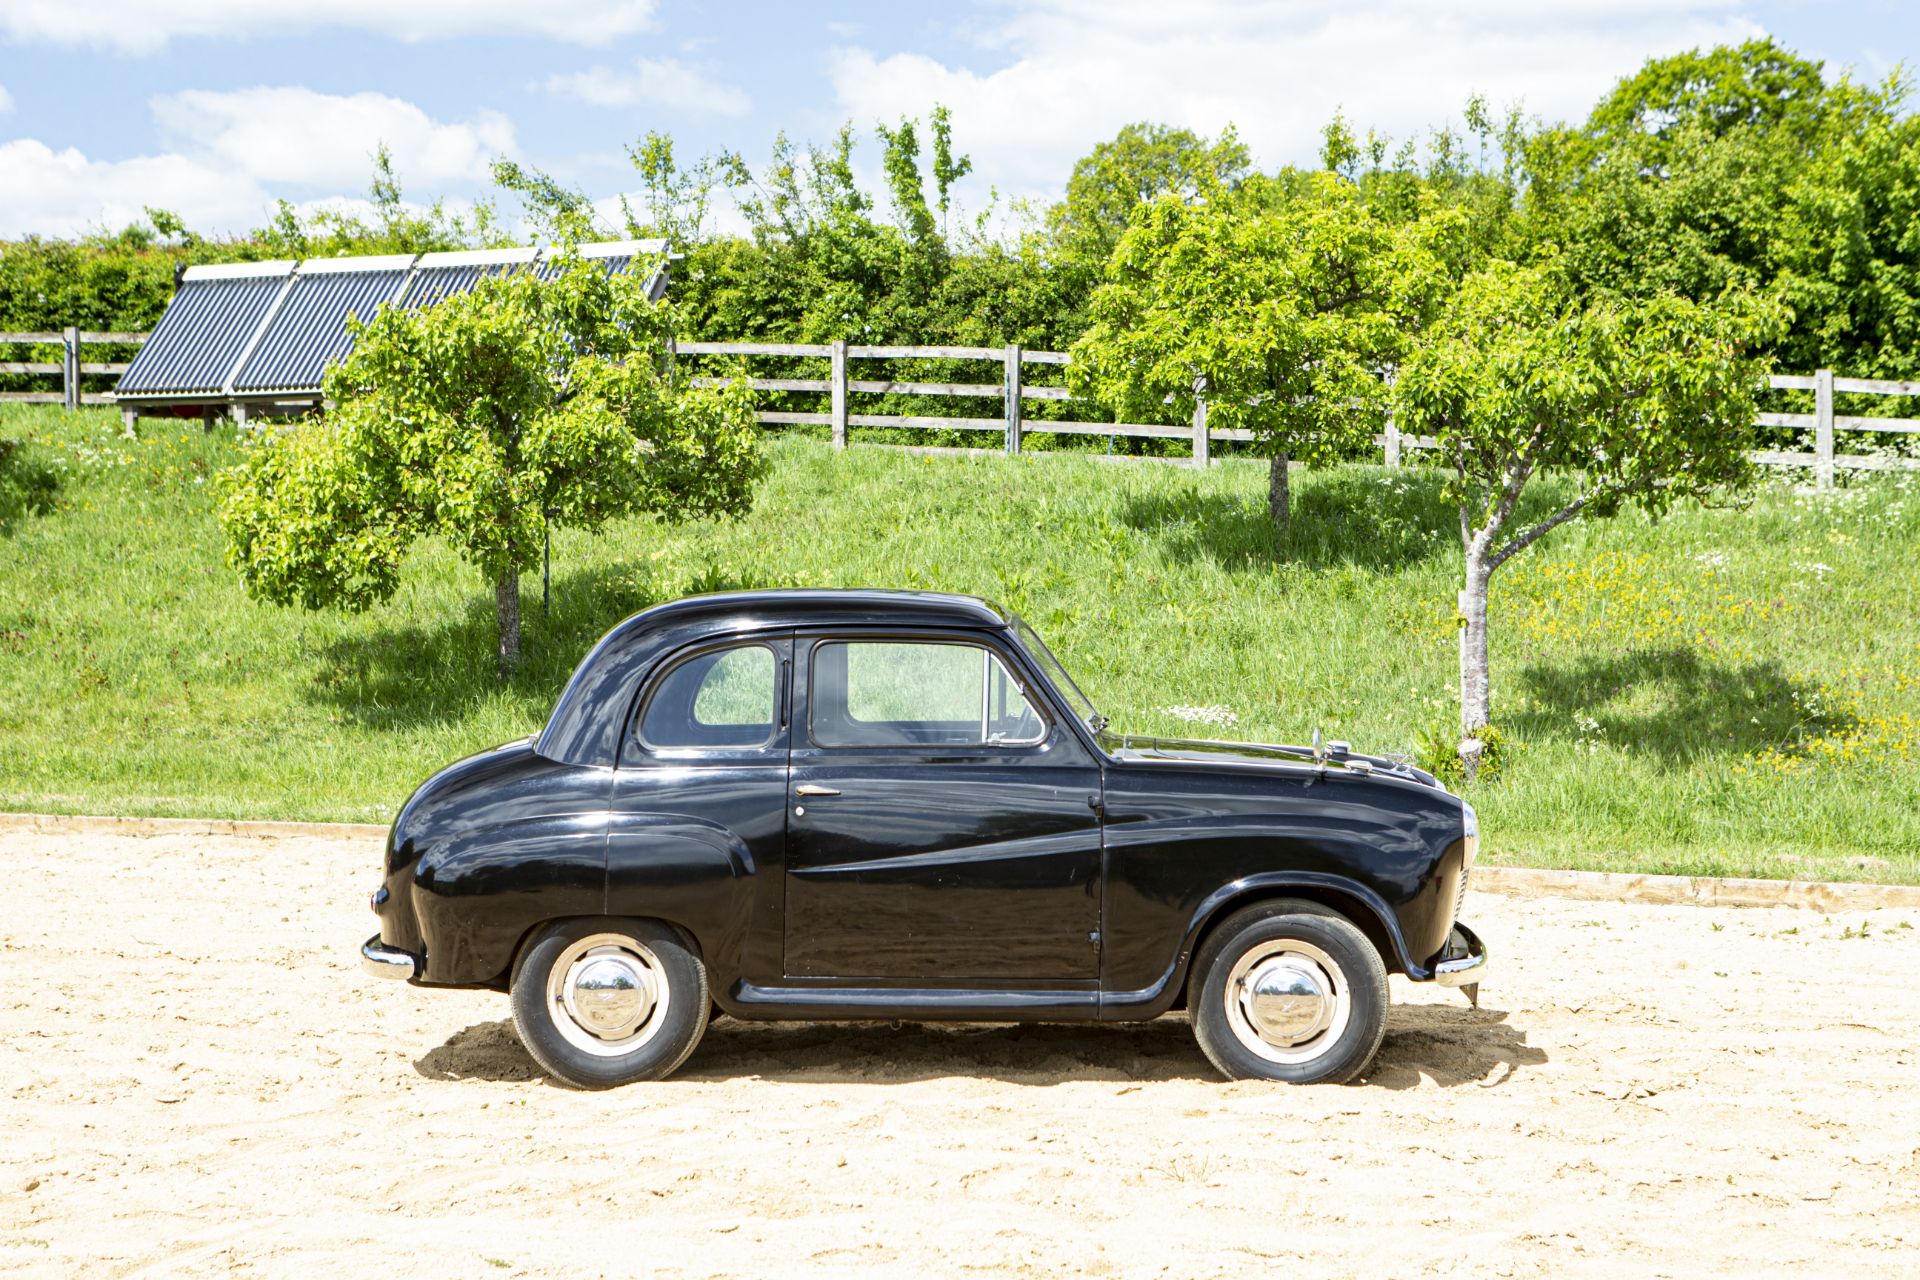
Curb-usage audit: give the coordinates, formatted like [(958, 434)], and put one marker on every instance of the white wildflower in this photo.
[(1219, 716)]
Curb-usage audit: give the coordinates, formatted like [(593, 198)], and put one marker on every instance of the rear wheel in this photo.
[(608, 1002), (1288, 991)]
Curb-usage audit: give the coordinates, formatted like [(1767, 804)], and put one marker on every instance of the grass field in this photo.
[(1726, 692)]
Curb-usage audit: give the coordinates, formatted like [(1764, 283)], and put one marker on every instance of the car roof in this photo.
[(585, 726), (831, 606)]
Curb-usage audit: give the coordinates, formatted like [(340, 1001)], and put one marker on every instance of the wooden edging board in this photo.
[(1523, 882), (1705, 891), (62, 824)]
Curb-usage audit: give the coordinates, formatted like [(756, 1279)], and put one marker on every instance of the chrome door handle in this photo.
[(815, 789)]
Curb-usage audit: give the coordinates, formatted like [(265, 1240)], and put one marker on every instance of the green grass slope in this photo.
[(1726, 692)]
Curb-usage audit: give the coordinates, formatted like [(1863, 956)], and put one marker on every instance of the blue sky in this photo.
[(215, 107)]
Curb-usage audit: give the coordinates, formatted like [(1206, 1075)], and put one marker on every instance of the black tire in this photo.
[(1307, 942), (614, 959)]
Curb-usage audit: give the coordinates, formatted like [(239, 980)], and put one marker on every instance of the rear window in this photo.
[(719, 699)]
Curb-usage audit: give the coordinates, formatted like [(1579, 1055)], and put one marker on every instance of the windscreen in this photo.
[(1081, 704)]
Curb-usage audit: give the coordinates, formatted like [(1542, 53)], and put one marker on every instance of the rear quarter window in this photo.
[(724, 698)]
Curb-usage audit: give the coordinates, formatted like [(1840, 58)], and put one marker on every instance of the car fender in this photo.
[(687, 871), (1366, 908), (477, 893)]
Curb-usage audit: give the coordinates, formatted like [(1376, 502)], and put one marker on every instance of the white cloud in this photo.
[(286, 134), (723, 215), (231, 154), (146, 26), (1075, 71), (6, 100), (663, 82), (63, 193)]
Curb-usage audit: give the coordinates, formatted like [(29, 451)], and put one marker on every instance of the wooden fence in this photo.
[(1011, 390), (70, 369), (1823, 423)]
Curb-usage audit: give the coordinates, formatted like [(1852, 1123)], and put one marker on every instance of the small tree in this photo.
[(481, 419), (1285, 321), (1647, 402), (1141, 162)]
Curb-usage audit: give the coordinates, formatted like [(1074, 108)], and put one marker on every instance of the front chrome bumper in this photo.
[(377, 958), (1463, 961)]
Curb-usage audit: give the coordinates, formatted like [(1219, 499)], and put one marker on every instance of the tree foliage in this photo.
[(389, 223), (1745, 165), (1648, 401), (1748, 167), (1141, 163), (483, 419), (1753, 85), (1286, 322)]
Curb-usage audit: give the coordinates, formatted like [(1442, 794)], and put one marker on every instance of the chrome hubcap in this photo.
[(607, 994), (1287, 1001)]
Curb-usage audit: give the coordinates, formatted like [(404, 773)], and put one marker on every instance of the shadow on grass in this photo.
[(395, 676), (27, 486), (1677, 705), (1365, 517), (1447, 1045)]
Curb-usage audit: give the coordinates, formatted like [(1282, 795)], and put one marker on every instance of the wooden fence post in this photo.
[(1390, 440), (839, 393), (1823, 428), (1200, 441), (1012, 391), (70, 367)]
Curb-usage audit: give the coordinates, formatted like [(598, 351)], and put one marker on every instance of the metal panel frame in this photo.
[(310, 320), (283, 269), (474, 262), (236, 270), (476, 257), (413, 269)]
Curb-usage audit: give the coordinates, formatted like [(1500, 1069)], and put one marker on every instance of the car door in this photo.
[(699, 800), (942, 825)]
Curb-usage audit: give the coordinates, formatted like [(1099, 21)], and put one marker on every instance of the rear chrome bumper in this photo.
[(1463, 961), (377, 958)]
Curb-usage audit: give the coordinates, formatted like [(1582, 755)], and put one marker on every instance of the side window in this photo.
[(719, 699), (892, 693)]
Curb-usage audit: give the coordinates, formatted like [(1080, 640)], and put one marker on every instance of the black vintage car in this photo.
[(879, 804)]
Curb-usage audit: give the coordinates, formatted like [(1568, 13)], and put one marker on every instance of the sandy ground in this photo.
[(197, 1078)]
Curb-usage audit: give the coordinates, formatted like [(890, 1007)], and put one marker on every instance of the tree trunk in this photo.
[(506, 608), (1475, 678), (1278, 498)]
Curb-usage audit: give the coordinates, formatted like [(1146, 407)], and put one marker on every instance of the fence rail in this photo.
[(71, 368), (1011, 390)]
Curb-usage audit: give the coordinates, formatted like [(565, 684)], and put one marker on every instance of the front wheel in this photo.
[(600, 1003), (1288, 991)]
